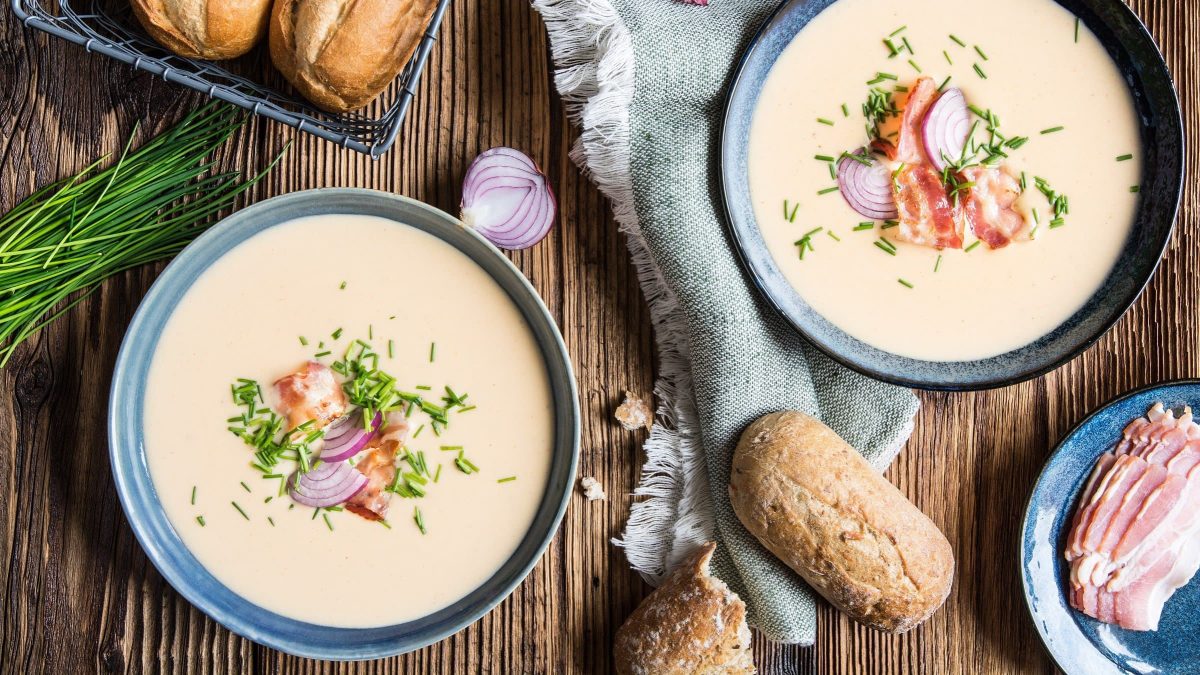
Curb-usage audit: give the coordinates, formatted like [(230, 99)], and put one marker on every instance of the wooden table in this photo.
[(77, 594)]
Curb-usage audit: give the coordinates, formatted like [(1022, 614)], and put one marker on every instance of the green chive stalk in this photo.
[(63, 240)]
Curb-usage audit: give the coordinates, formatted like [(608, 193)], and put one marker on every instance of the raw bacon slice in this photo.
[(1135, 536), (310, 394), (910, 148), (988, 205), (927, 216)]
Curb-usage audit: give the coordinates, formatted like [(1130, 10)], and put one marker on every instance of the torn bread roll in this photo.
[(693, 624), (341, 53), (814, 502), (204, 29)]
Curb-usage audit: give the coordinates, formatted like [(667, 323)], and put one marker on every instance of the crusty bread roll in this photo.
[(204, 29), (341, 53), (693, 624), (819, 506)]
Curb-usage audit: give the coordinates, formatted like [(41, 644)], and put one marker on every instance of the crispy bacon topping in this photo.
[(927, 215), (910, 149), (310, 394), (987, 205), (378, 464)]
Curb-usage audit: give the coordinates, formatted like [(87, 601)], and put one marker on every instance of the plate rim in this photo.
[(156, 551), (726, 173), (1023, 556)]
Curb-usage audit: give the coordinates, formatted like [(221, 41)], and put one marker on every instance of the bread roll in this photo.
[(341, 53), (693, 624), (819, 506), (204, 29)]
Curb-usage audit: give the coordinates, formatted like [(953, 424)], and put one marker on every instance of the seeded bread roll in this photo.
[(341, 53), (819, 506), (692, 625), (204, 29)]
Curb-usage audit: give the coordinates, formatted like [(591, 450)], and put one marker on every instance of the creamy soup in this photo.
[(435, 320), (1043, 76)]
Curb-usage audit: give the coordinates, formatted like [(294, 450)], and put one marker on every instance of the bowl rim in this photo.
[(131, 474), (766, 278), (1024, 534)]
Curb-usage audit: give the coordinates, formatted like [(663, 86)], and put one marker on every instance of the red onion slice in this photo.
[(946, 127), (346, 436), (867, 189), (507, 199), (329, 484)]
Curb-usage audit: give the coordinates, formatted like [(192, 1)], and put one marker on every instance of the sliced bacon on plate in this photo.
[(310, 394), (987, 205), (1135, 536), (910, 148), (927, 215)]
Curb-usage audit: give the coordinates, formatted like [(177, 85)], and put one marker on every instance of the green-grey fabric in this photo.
[(746, 361)]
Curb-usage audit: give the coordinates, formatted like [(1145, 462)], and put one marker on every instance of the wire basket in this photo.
[(108, 27)]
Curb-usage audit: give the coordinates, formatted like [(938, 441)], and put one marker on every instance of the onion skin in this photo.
[(946, 127), (329, 484), (867, 189), (507, 199)]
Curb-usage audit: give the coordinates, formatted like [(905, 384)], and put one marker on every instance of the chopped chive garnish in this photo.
[(1057, 223), (391, 348), (791, 217), (370, 332), (424, 387), (845, 110), (1077, 30), (819, 158), (908, 46), (971, 247), (418, 432), (815, 230), (1135, 188), (885, 246), (832, 171), (863, 226), (303, 341), (900, 89), (1124, 158), (506, 479), (419, 519), (244, 486), (960, 42), (437, 474), (342, 286), (979, 71), (834, 236), (193, 495), (889, 224), (898, 31), (904, 283), (316, 512), (432, 351), (327, 523), (320, 354), (200, 519), (268, 499), (271, 521), (1052, 130), (336, 334), (827, 190), (824, 121), (947, 55), (937, 264), (1036, 219), (239, 509), (944, 83), (980, 52), (914, 65)]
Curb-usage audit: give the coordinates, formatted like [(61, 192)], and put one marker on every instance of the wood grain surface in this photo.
[(78, 595)]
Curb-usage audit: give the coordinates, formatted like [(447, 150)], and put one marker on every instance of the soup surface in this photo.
[(1044, 78), (435, 319)]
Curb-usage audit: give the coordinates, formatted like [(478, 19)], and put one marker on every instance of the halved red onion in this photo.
[(867, 189), (345, 437), (507, 200), (946, 127), (329, 484)]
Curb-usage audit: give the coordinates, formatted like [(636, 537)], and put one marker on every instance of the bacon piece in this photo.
[(987, 206), (911, 147), (310, 394), (1135, 537), (927, 217), (378, 464)]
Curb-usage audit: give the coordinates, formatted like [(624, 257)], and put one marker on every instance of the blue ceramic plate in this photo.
[(1081, 645), (1133, 50), (163, 545)]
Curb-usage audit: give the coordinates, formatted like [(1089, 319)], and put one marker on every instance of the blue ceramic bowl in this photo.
[(1081, 645), (140, 500), (1133, 50)]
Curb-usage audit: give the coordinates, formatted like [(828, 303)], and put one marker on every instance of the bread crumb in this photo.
[(634, 413), (591, 489)]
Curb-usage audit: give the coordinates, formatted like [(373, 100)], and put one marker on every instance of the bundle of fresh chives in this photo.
[(66, 238)]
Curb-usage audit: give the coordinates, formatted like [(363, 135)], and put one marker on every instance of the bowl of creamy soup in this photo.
[(952, 194), (343, 425)]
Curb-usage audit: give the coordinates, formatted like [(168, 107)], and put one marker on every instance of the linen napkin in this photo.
[(646, 81)]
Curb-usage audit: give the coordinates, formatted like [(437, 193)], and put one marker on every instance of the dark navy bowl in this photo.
[(140, 500), (1133, 50), (1080, 644)]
